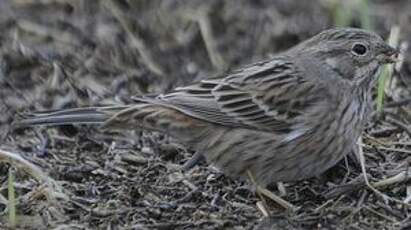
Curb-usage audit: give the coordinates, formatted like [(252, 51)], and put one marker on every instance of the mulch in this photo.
[(63, 54)]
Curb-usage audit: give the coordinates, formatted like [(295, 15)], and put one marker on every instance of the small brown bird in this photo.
[(283, 119)]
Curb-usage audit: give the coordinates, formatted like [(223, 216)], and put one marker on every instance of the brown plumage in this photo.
[(283, 119)]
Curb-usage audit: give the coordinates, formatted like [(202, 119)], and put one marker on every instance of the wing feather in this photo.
[(261, 96)]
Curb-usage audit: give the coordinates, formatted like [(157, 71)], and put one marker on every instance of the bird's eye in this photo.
[(359, 49)]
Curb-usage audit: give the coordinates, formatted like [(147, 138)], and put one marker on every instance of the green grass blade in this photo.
[(342, 15), (365, 18), (387, 70), (381, 88), (12, 200)]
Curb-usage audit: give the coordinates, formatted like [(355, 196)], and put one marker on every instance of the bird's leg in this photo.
[(267, 193), (193, 161)]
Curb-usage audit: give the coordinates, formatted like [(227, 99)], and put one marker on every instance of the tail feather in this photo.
[(87, 115)]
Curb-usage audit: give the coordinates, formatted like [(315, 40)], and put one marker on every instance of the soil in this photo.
[(57, 54)]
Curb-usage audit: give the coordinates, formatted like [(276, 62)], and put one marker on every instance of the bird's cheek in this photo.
[(332, 62), (342, 66), (367, 70)]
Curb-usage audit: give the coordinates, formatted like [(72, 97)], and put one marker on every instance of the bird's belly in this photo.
[(237, 151)]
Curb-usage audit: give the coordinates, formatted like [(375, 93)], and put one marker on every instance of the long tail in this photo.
[(86, 115), (147, 116)]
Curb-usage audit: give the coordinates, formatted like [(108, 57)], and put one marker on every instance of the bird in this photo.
[(286, 118)]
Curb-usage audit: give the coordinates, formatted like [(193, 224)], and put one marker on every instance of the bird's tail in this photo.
[(148, 116), (86, 115)]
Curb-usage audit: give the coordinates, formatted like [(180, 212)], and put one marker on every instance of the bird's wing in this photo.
[(271, 96)]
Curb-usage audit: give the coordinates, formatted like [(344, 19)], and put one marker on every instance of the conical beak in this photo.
[(389, 55)]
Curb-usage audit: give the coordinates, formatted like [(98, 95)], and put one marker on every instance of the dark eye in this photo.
[(359, 49)]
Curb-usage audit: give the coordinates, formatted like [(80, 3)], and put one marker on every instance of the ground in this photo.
[(62, 54)]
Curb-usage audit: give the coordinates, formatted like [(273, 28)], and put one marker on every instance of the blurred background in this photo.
[(66, 53)]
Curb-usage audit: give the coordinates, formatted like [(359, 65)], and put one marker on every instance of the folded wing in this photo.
[(269, 96)]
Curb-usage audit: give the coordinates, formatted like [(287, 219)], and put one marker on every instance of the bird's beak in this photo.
[(389, 55)]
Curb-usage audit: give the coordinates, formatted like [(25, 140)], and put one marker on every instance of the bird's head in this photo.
[(354, 54)]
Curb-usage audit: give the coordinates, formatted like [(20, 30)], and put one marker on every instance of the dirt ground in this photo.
[(67, 53)]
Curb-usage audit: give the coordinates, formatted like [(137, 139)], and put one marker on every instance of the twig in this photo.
[(206, 30), (263, 203), (263, 191), (394, 149), (262, 208), (400, 177), (281, 188), (379, 214), (134, 32), (210, 42), (367, 183), (408, 198), (403, 102), (353, 185), (54, 190), (399, 124)]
